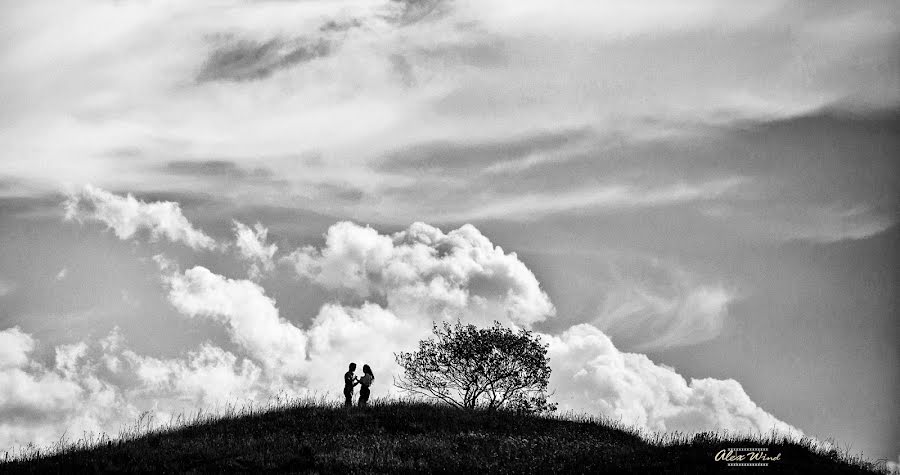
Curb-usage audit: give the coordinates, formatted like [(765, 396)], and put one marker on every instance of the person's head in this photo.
[(352, 366), (367, 370)]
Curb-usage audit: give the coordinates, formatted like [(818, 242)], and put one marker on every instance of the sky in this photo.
[(694, 203)]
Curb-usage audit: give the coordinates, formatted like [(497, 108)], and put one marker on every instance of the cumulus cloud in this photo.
[(423, 270), (405, 281), (102, 386), (250, 316), (14, 347), (126, 216), (251, 243), (593, 376), (39, 404), (368, 334), (206, 376)]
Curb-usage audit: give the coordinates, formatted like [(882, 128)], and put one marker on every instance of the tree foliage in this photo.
[(471, 367)]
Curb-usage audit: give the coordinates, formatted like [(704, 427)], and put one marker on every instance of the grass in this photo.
[(318, 436)]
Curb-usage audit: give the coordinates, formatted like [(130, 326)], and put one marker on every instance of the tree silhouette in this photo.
[(471, 367)]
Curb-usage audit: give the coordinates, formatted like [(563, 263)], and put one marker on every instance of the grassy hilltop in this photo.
[(402, 437)]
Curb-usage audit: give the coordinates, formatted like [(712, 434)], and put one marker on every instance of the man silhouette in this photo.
[(349, 382)]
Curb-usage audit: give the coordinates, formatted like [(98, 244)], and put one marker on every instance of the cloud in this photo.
[(126, 216), (460, 158), (395, 74), (250, 316), (39, 404), (62, 273), (205, 377), (650, 305), (805, 221), (247, 60), (369, 334), (423, 270), (389, 289), (592, 375), (251, 243), (609, 197), (421, 273), (618, 20), (14, 347)]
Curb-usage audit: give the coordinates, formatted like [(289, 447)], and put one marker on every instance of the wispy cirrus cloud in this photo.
[(609, 197), (375, 77), (657, 315)]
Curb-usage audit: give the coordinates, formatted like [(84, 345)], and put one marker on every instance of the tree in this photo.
[(471, 367)]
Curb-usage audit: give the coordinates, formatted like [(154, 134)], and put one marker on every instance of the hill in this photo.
[(403, 437)]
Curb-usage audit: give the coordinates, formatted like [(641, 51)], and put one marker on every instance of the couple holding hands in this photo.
[(350, 380)]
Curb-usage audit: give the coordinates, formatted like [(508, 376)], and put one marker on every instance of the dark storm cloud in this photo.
[(463, 158), (248, 60)]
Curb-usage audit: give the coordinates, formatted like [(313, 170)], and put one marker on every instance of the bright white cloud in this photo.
[(39, 404), (410, 279), (204, 377), (251, 243), (368, 334), (127, 215), (422, 270), (14, 347), (593, 376), (590, 373), (243, 307)]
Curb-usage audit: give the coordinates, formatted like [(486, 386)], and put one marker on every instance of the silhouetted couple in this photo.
[(350, 380)]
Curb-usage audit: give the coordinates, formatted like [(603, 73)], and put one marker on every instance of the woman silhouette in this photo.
[(364, 384)]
